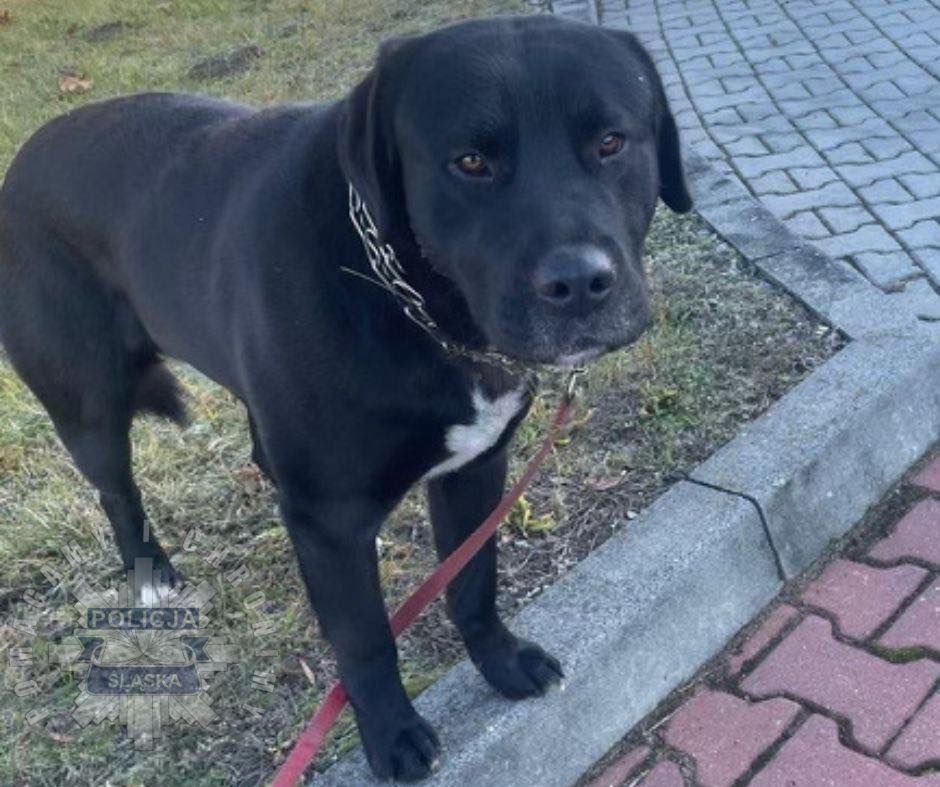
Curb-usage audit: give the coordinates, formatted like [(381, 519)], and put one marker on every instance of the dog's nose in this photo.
[(575, 279)]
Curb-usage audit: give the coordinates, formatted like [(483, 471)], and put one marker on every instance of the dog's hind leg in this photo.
[(101, 449), (80, 349), (258, 455)]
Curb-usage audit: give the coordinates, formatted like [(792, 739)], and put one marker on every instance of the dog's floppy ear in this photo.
[(672, 188), (366, 146)]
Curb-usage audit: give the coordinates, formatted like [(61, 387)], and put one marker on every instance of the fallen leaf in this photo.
[(71, 85), (603, 484), (307, 672), (523, 517), (5, 17)]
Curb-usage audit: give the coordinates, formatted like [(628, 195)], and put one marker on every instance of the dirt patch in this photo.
[(106, 32), (226, 64)]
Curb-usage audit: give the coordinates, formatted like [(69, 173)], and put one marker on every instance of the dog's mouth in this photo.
[(576, 354), (557, 348), (580, 358)]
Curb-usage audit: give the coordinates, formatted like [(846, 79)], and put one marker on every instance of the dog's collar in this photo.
[(390, 276)]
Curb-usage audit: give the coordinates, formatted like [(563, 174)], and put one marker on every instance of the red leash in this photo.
[(311, 739)]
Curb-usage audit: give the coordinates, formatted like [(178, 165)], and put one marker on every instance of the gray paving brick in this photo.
[(915, 83), (833, 41), (820, 119), (722, 59), (707, 104), (920, 298), (820, 86), (832, 194), (803, 60), (810, 72), (849, 153), (737, 83), (899, 107), (854, 65), (886, 148), (813, 177), (807, 224), (753, 166), (868, 238), (922, 186), (782, 142), (758, 111), (746, 146), (911, 163), (833, 136), (924, 234), (906, 214), (790, 90), (776, 182), (773, 65), (888, 190), (862, 36), (929, 260), (885, 268), (796, 107), (731, 133), (842, 220), (706, 88), (852, 115)]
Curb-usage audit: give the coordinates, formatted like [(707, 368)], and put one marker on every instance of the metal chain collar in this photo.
[(390, 276)]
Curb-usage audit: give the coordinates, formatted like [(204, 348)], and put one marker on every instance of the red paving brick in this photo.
[(665, 774), (862, 597), (775, 622), (829, 681), (724, 734), (617, 772), (814, 757), (919, 625), (917, 535), (929, 477), (919, 743), (875, 695)]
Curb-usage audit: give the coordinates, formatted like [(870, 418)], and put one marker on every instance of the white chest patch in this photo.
[(467, 441)]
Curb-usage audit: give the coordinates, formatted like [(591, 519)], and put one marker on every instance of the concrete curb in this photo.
[(633, 619), (836, 444), (645, 610)]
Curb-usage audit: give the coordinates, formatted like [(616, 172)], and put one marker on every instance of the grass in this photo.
[(724, 346)]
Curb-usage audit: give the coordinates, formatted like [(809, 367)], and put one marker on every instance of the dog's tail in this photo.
[(158, 392)]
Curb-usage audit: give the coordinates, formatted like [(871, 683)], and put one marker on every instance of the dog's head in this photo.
[(525, 154)]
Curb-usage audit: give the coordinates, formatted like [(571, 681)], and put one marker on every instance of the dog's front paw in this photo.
[(405, 750), (161, 584), (517, 668)]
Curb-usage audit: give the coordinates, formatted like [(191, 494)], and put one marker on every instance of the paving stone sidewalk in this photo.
[(828, 111), (838, 685)]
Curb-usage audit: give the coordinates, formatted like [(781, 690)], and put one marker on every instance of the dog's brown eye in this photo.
[(472, 164), (611, 144)]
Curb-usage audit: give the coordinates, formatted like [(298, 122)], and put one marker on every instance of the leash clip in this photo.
[(573, 387)]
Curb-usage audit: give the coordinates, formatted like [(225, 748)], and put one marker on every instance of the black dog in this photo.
[(512, 164)]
